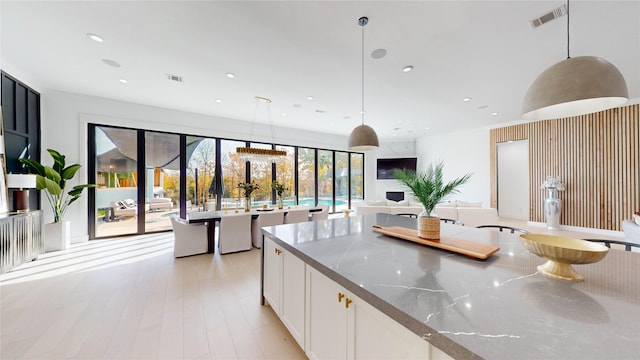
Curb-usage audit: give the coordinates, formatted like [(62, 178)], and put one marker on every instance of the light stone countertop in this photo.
[(499, 308)]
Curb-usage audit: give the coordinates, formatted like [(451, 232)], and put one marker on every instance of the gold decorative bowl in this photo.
[(562, 252)]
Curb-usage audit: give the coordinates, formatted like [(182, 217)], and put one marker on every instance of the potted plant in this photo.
[(53, 179), (429, 189), (280, 189), (248, 188)]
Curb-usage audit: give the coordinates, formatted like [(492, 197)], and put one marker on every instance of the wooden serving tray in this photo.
[(465, 247)]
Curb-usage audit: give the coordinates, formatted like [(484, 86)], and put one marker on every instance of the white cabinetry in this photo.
[(342, 326), (284, 287)]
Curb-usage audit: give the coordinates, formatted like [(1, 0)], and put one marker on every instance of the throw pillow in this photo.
[(377, 203), (636, 217), (447, 204)]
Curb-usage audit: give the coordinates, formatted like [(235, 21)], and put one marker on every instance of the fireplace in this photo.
[(395, 195)]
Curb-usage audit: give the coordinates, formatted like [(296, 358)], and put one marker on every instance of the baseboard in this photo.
[(611, 233)]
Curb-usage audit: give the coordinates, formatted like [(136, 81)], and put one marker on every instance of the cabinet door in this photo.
[(272, 274), (293, 295), (373, 334), (326, 336)]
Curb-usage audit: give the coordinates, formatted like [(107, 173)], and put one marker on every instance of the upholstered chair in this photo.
[(265, 219), (189, 239), (296, 216), (321, 215), (235, 233)]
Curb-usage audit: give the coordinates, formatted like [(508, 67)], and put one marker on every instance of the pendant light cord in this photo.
[(568, 15), (362, 22)]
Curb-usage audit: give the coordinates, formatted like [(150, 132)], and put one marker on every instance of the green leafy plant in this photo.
[(278, 187), (248, 188), (53, 179), (428, 187)]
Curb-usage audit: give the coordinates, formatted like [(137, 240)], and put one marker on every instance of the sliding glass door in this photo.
[(116, 175)]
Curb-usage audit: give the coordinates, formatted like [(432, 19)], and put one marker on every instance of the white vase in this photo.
[(57, 236)]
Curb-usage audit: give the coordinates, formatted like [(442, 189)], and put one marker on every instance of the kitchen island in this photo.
[(499, 308)]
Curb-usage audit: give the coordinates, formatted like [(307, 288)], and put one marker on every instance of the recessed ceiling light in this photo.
[(399, 121), (407, 68), (495, 113), (467, 99), (309, 97), (95, 37), (218, 101), (231, 75), (110, 62), (378, 53), (124, 81), (394, 134), (284, 114), (426, 128)]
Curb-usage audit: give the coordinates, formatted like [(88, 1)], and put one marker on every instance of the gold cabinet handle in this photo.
[(347, 302), (278, 251), (340, 296)]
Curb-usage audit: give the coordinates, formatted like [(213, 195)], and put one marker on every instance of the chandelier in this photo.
[(258, 154)]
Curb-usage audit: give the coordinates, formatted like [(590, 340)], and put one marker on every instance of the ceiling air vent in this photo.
[(174, 77), (554, 14)]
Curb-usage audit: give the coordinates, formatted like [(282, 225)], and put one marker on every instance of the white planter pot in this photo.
[(57, 236)]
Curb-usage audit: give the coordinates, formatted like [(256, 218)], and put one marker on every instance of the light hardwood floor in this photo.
[(128, 298)]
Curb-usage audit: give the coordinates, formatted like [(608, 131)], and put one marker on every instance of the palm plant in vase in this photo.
[(280, 189), (429, 188), (248, 189)]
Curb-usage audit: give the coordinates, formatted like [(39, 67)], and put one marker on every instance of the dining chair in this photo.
[(235, 233), (264, 219), (320, 215), (628, 246), (502, 228), (296, 216), (451, 221), (188, 239)]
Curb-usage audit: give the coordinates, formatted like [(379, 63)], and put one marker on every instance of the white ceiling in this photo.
[(289, 50)]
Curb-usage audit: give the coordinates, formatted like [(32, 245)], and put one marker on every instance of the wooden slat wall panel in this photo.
[(596, 156)]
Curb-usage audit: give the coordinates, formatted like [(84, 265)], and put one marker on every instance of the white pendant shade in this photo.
[(363, 138), (573, 87)]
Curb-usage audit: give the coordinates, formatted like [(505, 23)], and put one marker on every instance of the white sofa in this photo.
[(468, 213), (389, 207)]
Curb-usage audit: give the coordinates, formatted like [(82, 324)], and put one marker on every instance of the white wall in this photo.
[(64, 128), (390, 149), (462, 151)]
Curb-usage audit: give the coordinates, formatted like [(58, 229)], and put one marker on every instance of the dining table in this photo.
[(211, 218)]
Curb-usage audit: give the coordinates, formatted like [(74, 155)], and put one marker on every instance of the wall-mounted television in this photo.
[(386, 166)]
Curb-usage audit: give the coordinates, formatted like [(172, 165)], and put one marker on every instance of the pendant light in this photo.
[(257, 154), (575, 86), (363, 137)]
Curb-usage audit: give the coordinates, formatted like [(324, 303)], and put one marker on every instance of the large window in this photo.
[(285, 173), (233, 173), (179, 171), (342, 181), (261, 173), (325, 177), (357, 178), (306, 176), (201, 166)]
